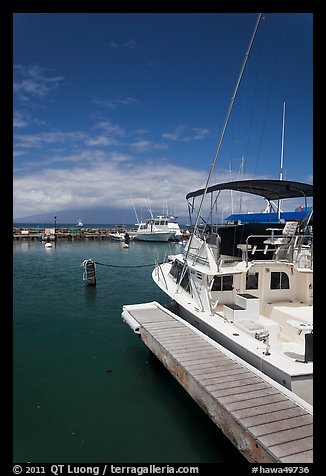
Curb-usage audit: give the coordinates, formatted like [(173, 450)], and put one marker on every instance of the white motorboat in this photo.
[(117, 236), (161, 228), (259, 309), (80, 223), (120, 234)]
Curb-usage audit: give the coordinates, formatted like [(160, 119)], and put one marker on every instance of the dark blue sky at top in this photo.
[(140, 100)]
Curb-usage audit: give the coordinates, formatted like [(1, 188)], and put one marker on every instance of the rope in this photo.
[(123, 266)]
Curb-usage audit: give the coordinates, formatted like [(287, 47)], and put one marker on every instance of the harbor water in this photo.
[(86, 388)]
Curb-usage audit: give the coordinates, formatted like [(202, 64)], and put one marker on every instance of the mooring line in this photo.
[(123, 266)]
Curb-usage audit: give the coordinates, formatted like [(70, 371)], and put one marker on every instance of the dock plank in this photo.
[(242, 413), (295, 447), (305, 457), (277, 416), (286, 424)]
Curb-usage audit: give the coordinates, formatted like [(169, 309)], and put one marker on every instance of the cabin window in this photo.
[(222, 283), (185, 281), (176, 271), (156, 222), (279, 280), (252, 281)]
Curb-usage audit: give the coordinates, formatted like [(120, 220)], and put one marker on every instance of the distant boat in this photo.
[(49, 235), (80, 223), (118, 234)]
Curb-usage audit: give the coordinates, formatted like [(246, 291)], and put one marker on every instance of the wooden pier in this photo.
[(268, 424)]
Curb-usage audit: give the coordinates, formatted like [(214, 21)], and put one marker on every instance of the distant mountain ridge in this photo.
[(103, 215)]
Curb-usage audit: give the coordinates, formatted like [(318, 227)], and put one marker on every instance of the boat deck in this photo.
[(268, 424)]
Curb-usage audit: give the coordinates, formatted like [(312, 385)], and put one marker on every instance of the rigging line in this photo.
[(185, 264), (226, 122), (227, 116)]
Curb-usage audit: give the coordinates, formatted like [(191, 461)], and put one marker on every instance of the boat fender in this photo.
[(135, 326)]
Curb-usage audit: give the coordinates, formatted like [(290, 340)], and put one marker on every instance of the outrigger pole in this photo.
[(226, 121), (219, 144)]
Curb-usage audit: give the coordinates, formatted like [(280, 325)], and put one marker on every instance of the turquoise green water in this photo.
[(86, 388)]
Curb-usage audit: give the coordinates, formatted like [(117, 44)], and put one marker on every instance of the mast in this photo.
[(282, 159), (230, 167), (239, 176), (282, 143)]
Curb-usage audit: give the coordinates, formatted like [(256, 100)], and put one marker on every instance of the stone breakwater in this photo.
[(38, 233), (74, 233)]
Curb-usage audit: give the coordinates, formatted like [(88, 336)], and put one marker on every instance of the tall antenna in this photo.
[(239, 177), (282, 146), (230, 167), (282, 160)]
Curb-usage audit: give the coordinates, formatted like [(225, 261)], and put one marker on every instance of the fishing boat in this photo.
[(249, 290), (259, 309), (161, 228), (80, 223)]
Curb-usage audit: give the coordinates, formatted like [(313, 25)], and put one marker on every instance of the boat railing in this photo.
[(193, 253), (160, 273), (297, 249)]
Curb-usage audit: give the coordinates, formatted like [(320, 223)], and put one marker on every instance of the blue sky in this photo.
[(113, 110)]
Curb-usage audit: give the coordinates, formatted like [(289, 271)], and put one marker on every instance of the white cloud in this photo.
[(34, 82), (184, 133), (20, 120), (101, 179), (100, 141), (113, 129), (127, 45), (113, 103), (147, 146), (104, 183), (38, 140)]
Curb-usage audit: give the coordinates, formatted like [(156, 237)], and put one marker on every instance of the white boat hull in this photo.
[(295, 377), (117, 237), (158, 236)]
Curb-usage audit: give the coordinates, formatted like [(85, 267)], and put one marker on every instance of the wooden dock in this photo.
[(268, 424)]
